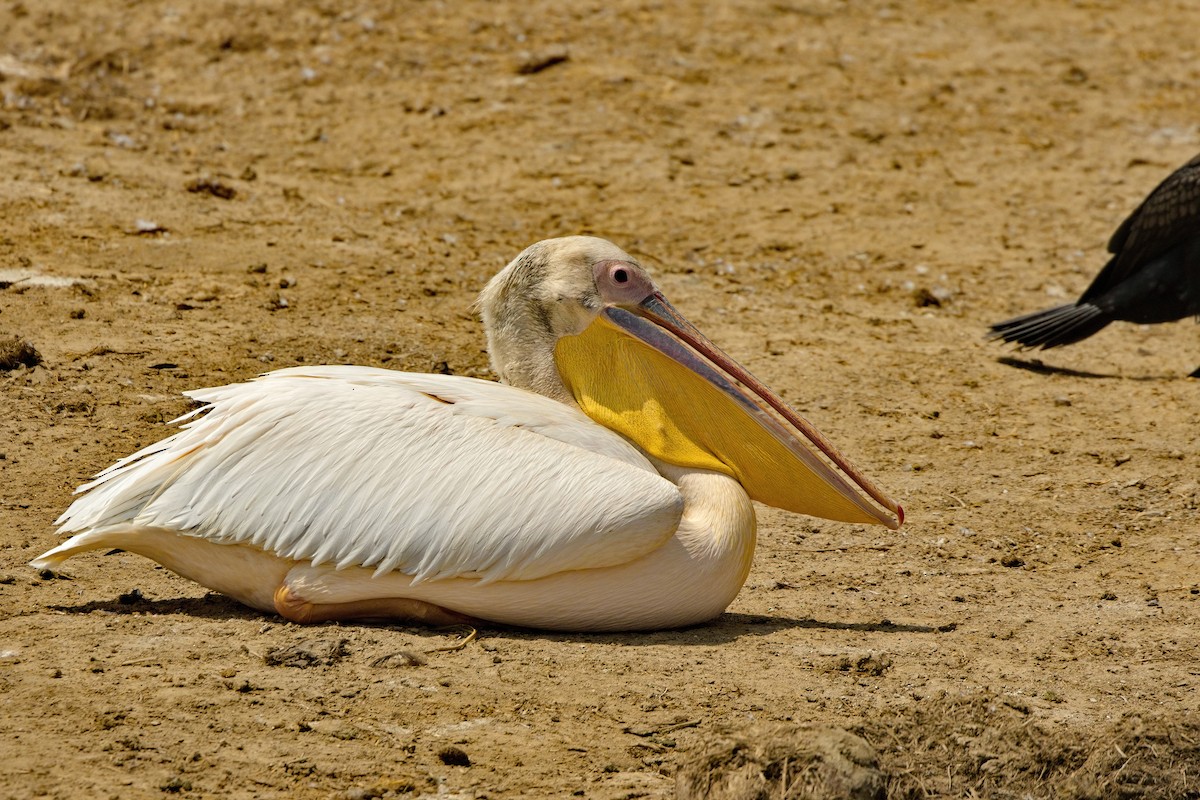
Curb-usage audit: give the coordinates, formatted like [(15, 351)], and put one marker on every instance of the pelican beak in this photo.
[(649, 374)]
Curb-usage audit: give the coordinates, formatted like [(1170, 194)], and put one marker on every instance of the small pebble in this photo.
[(131, 597), (175, 783), (533, 63)]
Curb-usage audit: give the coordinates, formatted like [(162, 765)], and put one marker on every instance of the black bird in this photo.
[(1153, 275)]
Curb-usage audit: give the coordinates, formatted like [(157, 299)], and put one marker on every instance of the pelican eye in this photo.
[(621, 283)]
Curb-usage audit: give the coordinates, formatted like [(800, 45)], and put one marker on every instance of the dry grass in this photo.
[(782, 762), (986, 746), (983, 746)]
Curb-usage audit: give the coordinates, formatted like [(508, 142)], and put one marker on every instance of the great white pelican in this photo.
[(604, 484)]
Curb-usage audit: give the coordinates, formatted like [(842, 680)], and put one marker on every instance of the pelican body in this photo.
[(606, 483)]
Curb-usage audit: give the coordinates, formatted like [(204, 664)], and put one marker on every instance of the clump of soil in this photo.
[(317, 653), (16, 352), (454, 757)]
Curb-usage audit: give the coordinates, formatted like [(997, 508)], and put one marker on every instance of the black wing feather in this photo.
[(1165, 219)]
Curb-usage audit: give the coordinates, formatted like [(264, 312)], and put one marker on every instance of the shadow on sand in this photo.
[(210, 606), (726, 628), (1036, 365)]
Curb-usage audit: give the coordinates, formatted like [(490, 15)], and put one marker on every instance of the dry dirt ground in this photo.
[(842, 194)]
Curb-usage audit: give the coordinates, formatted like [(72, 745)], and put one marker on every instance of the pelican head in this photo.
[(554, 288), (579, 320)]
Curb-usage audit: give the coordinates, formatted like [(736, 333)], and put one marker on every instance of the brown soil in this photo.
[(842, 194)]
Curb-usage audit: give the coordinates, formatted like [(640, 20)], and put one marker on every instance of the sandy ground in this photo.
[(843, 195)]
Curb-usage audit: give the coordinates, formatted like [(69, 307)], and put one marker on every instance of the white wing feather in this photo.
[(435, 476)]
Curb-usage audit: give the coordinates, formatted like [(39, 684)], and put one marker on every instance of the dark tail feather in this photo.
[(1053, 327)]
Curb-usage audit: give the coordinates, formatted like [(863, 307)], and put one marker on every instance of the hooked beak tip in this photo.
[(655, 308)]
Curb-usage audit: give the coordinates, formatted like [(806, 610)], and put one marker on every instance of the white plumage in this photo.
[(348, 466), (346, 492)]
